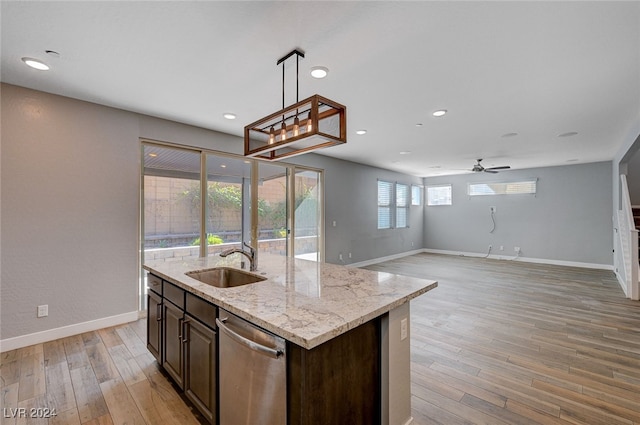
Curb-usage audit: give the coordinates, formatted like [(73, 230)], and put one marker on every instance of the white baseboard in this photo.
[(525, 259), (622, 283), (477, 255), (387, 258), (65, 331)]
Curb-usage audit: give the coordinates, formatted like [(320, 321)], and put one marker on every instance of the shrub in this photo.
[(211, 240)]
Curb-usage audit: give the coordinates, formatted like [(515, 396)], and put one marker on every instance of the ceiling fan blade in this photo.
[(488, 170), (504, 167)]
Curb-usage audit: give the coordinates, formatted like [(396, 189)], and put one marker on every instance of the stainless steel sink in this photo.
[(225, 277)]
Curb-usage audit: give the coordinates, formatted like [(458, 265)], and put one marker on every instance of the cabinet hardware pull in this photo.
[(184, 331), (180, 327), (159, 312)]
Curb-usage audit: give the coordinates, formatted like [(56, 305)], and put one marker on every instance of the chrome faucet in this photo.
[(251, 255)]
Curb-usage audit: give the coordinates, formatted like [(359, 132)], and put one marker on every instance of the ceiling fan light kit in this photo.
[(310, 124)]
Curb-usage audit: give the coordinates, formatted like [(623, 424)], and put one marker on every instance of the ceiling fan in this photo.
[(477, 168)]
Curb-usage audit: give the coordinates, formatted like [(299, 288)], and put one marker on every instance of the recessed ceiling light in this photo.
[(439, 113), (509, 135), (573, 160), (153, 155), (419, 124), (319, 71), (361, 132), (405, 152), (223, 166), (35, 64), (229, 116), (568, 134), (52, 53)]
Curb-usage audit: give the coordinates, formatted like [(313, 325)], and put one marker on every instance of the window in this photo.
[(503, 188), (393, 205), (402, 205), (416, 195), (385, 196), (439, 195)]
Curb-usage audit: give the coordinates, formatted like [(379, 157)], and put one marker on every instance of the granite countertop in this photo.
[(305, 302)]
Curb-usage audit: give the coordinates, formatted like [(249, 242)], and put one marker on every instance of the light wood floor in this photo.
[(500, 342), (97, 378), (496, 343)]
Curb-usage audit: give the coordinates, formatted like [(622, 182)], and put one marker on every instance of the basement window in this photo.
[(526, 187)]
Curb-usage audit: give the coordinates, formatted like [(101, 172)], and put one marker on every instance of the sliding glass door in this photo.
[(307, 215), (275, 207), (227, 194)]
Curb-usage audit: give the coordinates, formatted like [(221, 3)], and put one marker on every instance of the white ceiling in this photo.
[(538, 69)]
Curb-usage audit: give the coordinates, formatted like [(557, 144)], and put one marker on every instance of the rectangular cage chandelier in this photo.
[(305, 126)]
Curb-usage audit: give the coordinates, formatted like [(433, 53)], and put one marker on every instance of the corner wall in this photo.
[(568, 220), (351, 200)]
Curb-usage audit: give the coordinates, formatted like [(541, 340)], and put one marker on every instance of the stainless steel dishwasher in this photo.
[(253, 373)]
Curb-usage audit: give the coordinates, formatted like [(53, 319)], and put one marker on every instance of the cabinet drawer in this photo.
[(173, 294), (201, 310), (154, 283)]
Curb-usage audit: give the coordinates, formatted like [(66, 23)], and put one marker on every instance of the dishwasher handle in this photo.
[(247, 342)]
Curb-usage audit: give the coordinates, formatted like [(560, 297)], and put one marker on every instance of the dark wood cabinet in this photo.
[(338, 381), (181, 335), (154, 325), (200, 366), (173, 353)]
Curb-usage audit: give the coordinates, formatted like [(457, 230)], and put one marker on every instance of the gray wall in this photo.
[(70, 177), (351, 192), (568, 220)]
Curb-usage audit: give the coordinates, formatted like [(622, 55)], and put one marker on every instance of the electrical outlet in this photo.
[(349, 255), (333, 223), (501, 247), (404, 329), (340, 256), (43, 310), (493, 209), (516, 249)]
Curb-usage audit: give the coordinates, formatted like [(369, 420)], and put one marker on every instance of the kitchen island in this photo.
[(346, 332)]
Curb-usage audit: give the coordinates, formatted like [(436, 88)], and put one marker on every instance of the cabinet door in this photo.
[(154, 324), (173, 358), (200, 367)]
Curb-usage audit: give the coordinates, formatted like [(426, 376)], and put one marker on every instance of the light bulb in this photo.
[(272, 135), (283, 132), (296, 127), (309, 125)]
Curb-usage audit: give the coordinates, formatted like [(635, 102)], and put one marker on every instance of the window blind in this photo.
[(503, 188), (385, 197)]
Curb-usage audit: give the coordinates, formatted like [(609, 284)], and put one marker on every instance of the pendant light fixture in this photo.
[(307, 125)]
